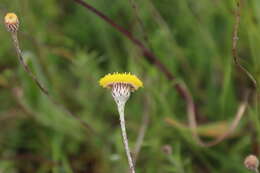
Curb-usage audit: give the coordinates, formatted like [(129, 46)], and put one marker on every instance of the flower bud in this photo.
[(251, 162), (167, 149), (11, 22)]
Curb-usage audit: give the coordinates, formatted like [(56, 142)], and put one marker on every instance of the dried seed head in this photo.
[(251, 162), (11, 22)]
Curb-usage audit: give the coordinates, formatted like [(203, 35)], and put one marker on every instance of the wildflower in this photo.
[(121, 85), (251, 162), (11, 22)]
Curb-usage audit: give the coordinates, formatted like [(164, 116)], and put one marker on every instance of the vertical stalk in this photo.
[(121, 108)]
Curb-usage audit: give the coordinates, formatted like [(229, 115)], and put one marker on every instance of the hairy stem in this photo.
[(121, 108), (25, 66), (39, 84)]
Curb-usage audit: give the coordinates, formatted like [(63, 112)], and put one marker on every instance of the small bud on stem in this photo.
[(251, 162), (11, 22), (167, 149)]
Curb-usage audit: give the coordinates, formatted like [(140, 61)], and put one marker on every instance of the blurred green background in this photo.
[(69, 49)]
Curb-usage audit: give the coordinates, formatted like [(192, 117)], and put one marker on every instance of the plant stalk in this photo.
[(121, 107), (40, 85)]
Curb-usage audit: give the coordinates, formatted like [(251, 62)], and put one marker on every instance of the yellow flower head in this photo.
[(126, 78), (11, 22), (11, 18)]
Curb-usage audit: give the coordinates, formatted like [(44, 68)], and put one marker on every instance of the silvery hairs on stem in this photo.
[(121, 85)]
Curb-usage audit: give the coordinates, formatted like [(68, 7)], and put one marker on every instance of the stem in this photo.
[(121, 108), (234, 45), (40, 85), (25, 66)]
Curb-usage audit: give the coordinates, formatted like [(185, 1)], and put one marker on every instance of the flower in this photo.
[(11, 22), (124, 78), (121, 85)]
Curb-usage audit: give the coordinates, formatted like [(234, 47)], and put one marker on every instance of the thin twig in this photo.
[(26, 67), (40, 86), (235, 39), (193, 124), (241, 109)]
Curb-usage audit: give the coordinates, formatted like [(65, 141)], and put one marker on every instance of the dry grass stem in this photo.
[(193, 123), (235, 39)]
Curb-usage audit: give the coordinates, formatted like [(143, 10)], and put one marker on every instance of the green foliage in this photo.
[(69, 49)]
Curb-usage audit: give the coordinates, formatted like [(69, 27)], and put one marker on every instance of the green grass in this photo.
[(69, 49)]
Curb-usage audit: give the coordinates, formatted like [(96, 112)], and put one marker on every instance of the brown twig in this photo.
[(239, 114), (236, 58), (243, 105), (235, 39), (180, 87)]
